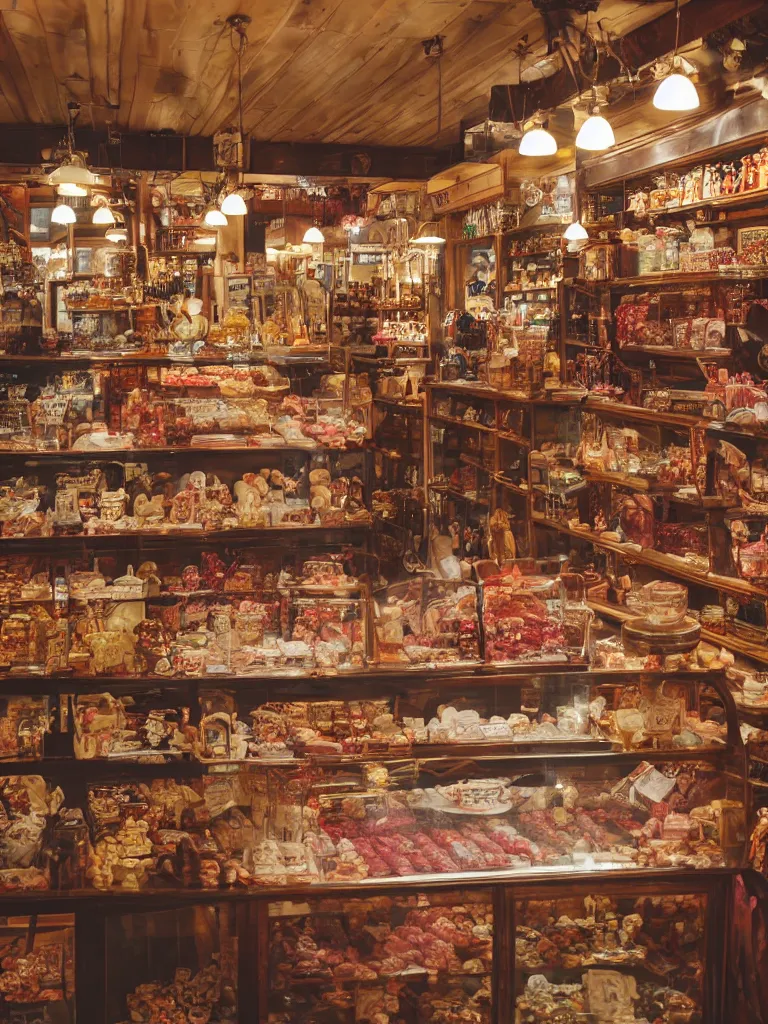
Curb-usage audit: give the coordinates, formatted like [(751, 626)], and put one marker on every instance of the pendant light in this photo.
[(214, 218), (116, 234), (575, 232), (72, 169), (103, 215), (596, 133), (71, 190), (537, 141), (233, 205), (63, 214), (313, 236), (676, 91), (430, 236)]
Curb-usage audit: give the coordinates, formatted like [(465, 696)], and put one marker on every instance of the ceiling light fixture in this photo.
[(116, 234), (103, 215), (63, 214), (575, 232), (596, 133), (214, 218), (313, 236), (233, 205), (72, 169), (676, 91), (537, 141), (71, 190)]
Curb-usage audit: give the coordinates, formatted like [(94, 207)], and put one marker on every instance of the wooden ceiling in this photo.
[(350, 71)]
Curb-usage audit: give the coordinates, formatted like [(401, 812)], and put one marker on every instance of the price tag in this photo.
[(495, 730)]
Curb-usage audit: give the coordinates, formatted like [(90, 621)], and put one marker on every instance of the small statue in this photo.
[(501, 545), (758, 841)]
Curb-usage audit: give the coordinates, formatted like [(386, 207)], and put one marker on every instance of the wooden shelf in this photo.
[(512, 438), (411, 407), (113, 454), (676, 353), (151, 538), (463, 423), (755, 651), (636, 412), (130, 359), (677, 277), (459, 495), (748, 198), (663, 563), (469, 460), (515, 488)]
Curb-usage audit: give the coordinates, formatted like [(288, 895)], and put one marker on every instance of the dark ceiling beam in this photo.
[(21, 145), (645, 44)]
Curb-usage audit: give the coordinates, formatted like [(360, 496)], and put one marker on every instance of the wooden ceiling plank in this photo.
[(132, 34), (29, 38), (365, 36), (263, 40), (67, 45), (13, 80), (463, 52)]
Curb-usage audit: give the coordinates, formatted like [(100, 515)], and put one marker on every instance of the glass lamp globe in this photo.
[(63, 214), (676, 92), (313, 236), (103, 215), (537, 142), (234, 205), (215, 219), (575, 232), (595, 134)]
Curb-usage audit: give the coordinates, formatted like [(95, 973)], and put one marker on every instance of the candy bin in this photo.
[(530, 618), (172, 965), (427, 622), (37, 978)]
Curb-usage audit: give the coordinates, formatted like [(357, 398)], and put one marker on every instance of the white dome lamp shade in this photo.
[(596, 133), (676, 91), (314, 236), (103, 215), (71, 171), (537, 141), (116, 234), (215, 218), (575, 232), (63, 214), (233, 205)]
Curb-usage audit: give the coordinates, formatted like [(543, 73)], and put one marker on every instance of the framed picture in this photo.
[(749, 236), (238, 292), (40, 223)]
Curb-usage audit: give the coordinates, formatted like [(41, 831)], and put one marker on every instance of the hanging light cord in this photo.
[(439, 94), (677, 27)]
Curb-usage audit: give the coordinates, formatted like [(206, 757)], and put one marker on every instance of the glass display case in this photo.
[(37, 970), (614, 955), (425, 957), (172, 965)]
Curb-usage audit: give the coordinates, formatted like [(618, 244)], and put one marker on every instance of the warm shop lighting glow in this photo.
[(116, 235), (103, 215), (575, 232), (63, 214), (215, 219), (429, 240), (234, 205), (537, 142), (596, 133), (313, 236), (676, 92), (72, 171), (71, 190)]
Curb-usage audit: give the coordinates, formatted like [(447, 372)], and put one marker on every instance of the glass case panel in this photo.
[(609, 958), (172, 965), (37, 969), (412, 958)]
